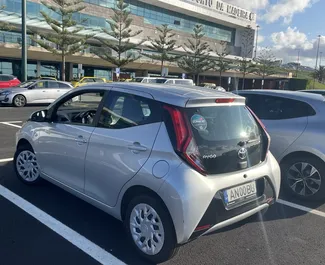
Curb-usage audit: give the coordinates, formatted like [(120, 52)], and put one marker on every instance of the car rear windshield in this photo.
[(228, 137)]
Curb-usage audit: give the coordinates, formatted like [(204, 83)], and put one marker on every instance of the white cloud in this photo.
[(286, 9), (287, 43), (273, 12), (291, 39)]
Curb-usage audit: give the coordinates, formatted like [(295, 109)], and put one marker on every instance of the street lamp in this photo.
[(257, 28), (320, 59), (23, 44), (319, 36)]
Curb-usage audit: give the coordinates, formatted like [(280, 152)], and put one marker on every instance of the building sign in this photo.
[(225, 8)]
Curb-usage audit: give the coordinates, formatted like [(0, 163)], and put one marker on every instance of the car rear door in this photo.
[(121, 143), (285, 119)]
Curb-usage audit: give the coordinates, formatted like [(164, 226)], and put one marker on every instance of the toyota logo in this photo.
[(242, 153)]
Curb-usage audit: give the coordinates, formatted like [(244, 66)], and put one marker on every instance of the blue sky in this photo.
[(288, 26)]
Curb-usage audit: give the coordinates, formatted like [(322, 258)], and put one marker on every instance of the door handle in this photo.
[(137, 147), (80, 140), (44, 91), (58, 90)]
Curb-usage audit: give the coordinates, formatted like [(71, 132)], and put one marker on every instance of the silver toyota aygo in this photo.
[(172, 163)]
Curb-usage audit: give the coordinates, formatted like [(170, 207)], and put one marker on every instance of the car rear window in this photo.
[(221, 132)]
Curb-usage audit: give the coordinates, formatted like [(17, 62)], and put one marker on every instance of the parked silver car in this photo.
[(296, 124), (34, 92), (173, 163)]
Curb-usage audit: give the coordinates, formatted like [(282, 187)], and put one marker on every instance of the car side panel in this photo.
[(284, 133)]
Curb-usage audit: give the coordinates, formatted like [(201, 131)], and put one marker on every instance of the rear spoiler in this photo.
[(215, 101)]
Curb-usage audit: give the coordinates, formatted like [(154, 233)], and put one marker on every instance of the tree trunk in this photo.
[(220, 78), (197, 79), (244, 78), (161, 67), (63, 67)]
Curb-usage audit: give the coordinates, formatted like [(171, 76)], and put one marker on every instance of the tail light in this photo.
[(185, 145), (268, 138)]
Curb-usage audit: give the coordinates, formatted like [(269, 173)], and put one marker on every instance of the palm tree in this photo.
[(319, 74)]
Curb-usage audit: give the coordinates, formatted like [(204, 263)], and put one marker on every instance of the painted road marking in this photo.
[(12, 121), (6, 160), (302, 208), (96, 252), (10, 124)]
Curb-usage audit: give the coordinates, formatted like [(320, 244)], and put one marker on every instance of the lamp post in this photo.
[(320, 59), (24, 45), (298, 62), (257, 28), (319, 36)]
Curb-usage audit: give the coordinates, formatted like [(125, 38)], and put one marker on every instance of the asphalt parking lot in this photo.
[(46, 225)]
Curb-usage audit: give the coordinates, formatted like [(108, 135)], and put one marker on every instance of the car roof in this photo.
[(178, 95), (299, 95)]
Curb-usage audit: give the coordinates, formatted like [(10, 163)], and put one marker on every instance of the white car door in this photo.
[(63, 143), (39, 93), (120, 144)]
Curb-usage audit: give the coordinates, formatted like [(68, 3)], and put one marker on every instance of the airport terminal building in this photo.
[(222, 23)]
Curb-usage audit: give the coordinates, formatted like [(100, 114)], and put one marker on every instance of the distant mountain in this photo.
[(293, 66)]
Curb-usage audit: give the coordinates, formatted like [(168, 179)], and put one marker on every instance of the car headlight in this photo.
[(5, 93)]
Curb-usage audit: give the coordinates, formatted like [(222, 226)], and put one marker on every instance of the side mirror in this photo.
[(39, 116), (32, 87)]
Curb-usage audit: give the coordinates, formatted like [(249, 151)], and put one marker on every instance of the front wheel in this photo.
[(304, 177), (150, 229), (26, 166), (19, 101)]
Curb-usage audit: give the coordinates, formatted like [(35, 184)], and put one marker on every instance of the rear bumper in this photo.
[(217, 216), (237, 218), (196, 204)]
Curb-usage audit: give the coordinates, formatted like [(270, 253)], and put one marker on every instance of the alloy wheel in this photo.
[(304, 179), (20, 101), (27, 166)]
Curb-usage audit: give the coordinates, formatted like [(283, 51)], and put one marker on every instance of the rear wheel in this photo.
[(304, 177), (150, 229), (19, 101), (26, 166)]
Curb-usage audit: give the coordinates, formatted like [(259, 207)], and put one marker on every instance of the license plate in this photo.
[(240, 193)]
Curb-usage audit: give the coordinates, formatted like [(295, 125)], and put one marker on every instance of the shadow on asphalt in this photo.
[(99, 227)]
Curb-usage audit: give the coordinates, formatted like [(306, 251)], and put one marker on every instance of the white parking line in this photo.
[(12, 121), (6, 160), (301, 208), (10, 124), (96, 252)]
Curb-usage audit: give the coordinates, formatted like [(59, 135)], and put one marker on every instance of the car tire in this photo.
[(26, 166), (19, 101), (142, 226), (304, 172)]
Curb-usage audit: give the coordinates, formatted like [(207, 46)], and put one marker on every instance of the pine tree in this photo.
[(163, 45), (65, 30), (120, 30), (222, 64), (245, 63), (266, 64), (197, 59)]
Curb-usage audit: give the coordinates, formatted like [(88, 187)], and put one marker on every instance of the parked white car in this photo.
[(34, 92)]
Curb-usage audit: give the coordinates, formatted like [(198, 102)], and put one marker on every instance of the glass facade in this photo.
[(151, 14)]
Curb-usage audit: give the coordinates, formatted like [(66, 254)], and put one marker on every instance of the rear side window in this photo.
[(99, 80), (278, 108), (123, 110), (5, 78), (220, 132), (62, 85), (184, 82)]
